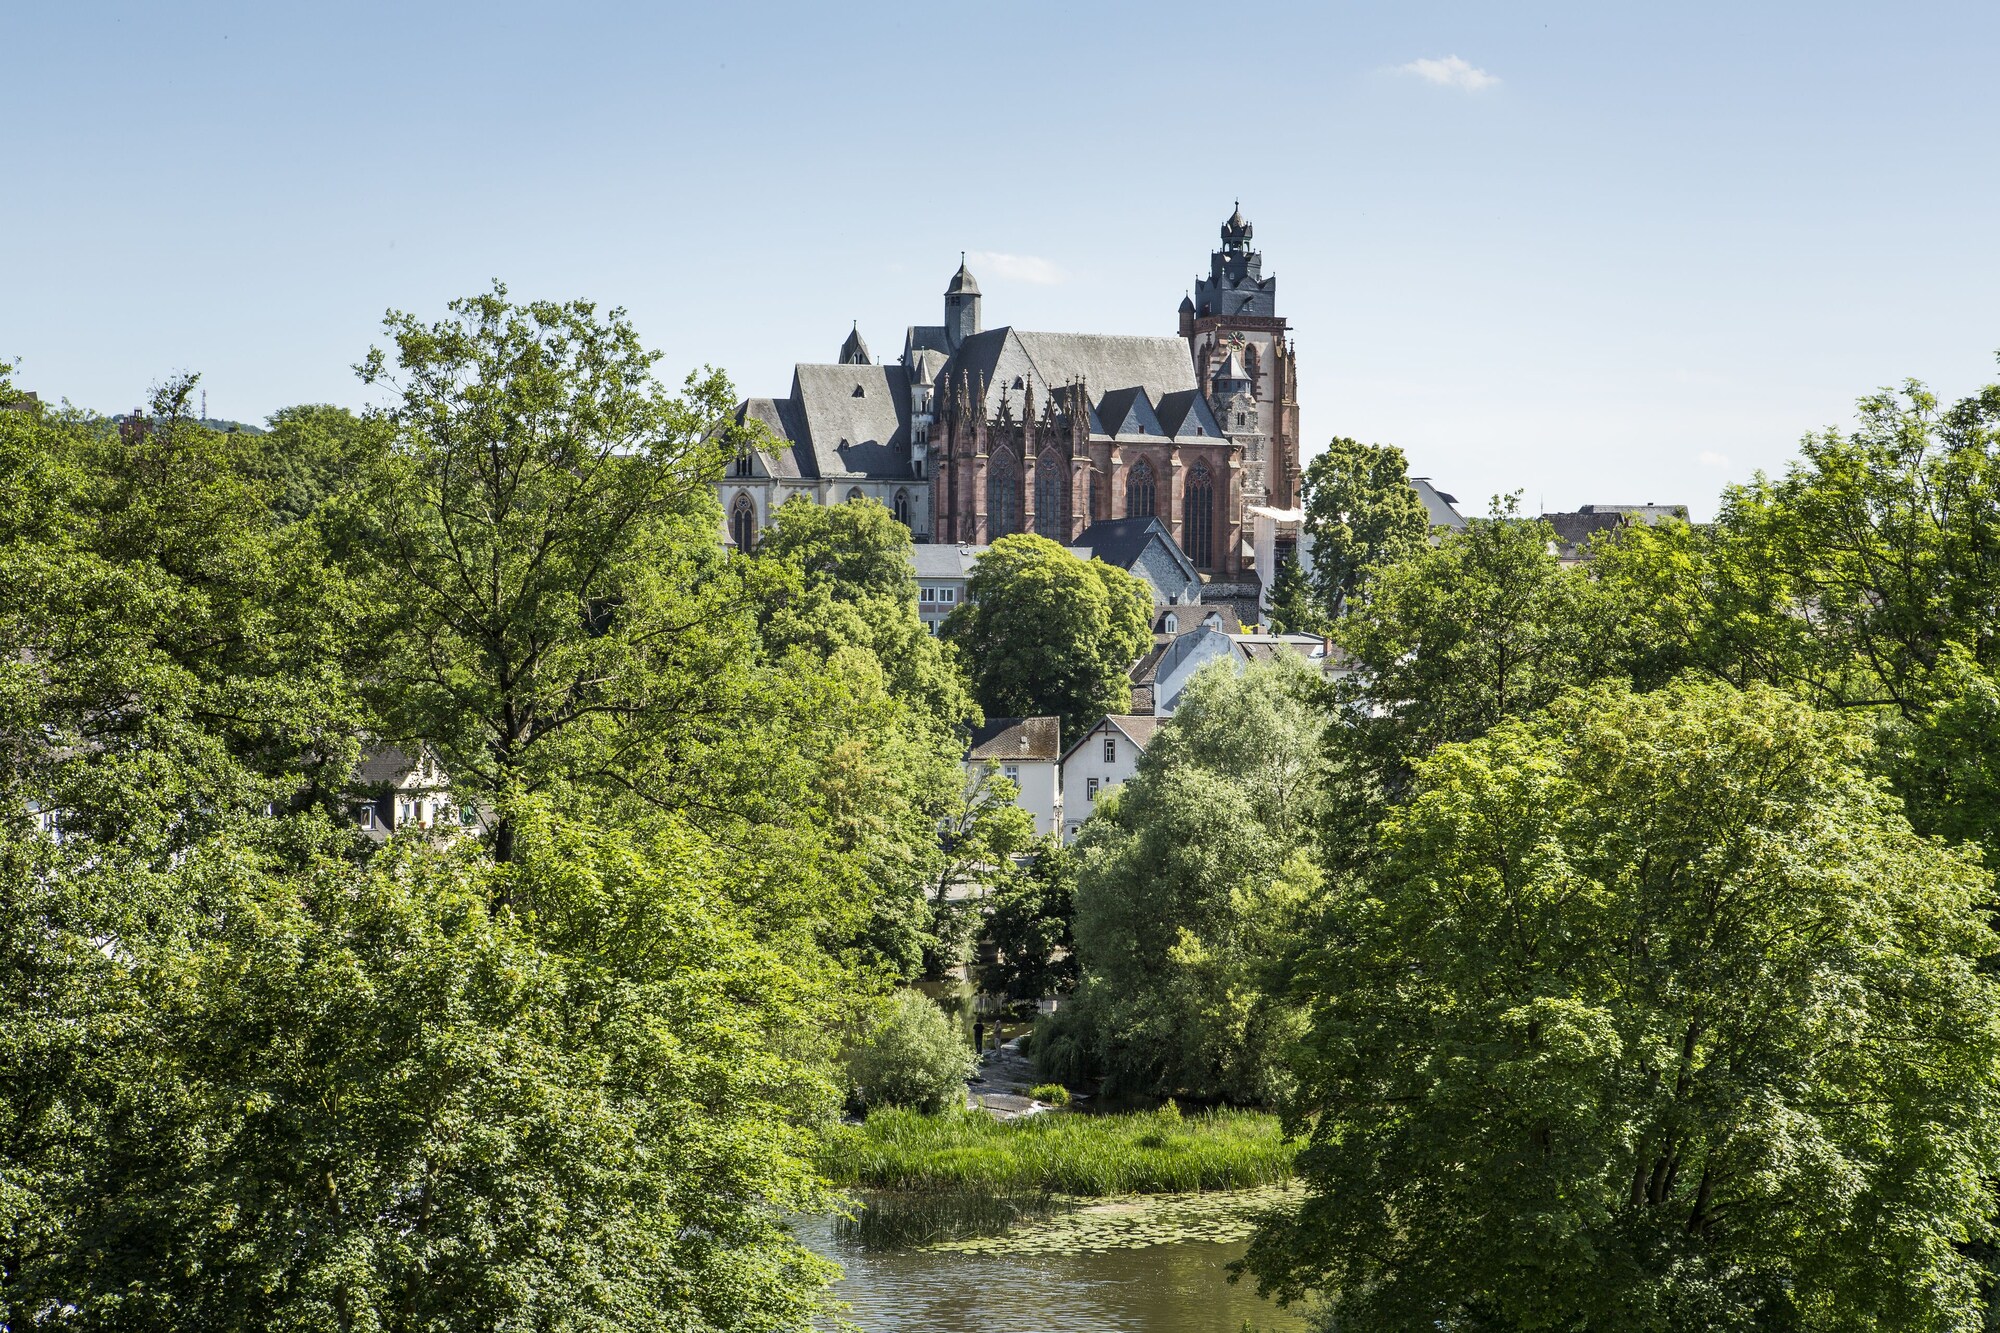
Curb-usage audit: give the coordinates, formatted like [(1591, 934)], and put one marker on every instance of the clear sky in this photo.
[(1591, 251)]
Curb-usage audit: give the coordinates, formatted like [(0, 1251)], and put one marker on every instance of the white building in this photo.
[(1107, 755), (397, 790), (1027, 751)]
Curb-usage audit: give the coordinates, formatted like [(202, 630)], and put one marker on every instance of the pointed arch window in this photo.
[(1052, 499), (1003, 497), (1139, 491), (903, 507), (853, 494), (743, 522), (1198, 517)]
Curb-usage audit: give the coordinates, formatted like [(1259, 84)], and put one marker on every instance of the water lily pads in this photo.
[(1134, 1221)]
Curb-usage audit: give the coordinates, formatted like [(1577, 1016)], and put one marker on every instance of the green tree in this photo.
[(1194, 876), (171, 659), (1292, 609), (1866, 577), (312, 453), (1043, 632), (547, 537), (1456, 637), (1657, 1015), (1362, 513), (912, 1057), (853, 583), (249, 1093), (981, 836), (1031, 927)]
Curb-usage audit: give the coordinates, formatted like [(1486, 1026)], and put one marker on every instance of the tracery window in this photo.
[(1139, 491), (1003, 497), (903, 507), (1052, 499), (743, 522), (1198, 518)]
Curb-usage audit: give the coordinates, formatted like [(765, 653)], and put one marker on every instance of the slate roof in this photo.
[(1009, 361), (1012, 739), (850, 420), (1575, 529), (1165, 657), (1122, 541), (792, 456), (1135, 727), (854, 352), (386, 763), (1185, 413)]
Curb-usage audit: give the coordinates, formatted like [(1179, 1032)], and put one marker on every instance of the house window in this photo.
[(1198, 521), (1090, 789), (1139, 491), (1012, 773), (946, 596), (368, 816), (1173, 623), (1110, 749)]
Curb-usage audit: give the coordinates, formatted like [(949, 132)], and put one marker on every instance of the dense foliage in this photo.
[(263, 1071), (1193, 879), (1159, 1152), (1043, 632), (1362, 515), (912, 1057), (1658, 1016), (1031, 925)]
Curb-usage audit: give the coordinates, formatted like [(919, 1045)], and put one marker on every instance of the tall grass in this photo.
[(1152, 1152)]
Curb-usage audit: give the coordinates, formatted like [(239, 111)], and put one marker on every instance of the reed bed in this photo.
[(1149, 1152)]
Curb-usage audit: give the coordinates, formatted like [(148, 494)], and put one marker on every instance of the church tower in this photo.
[(961, 307), (1243, 359)]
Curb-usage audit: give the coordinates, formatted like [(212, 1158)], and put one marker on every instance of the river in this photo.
[(1179, 1287)]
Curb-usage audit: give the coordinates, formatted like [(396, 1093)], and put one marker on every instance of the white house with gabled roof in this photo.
[(1107, 755)]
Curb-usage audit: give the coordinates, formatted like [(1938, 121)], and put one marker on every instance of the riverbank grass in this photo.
[(1149, 1152)]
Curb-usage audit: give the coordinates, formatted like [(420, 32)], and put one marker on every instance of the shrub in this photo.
[(913, 1058), (1055, 1094)]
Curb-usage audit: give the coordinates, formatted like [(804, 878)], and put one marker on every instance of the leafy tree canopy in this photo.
[(1192, 879), (1657, 1016), (1043, 632), (1455, 637), (1362, 513)]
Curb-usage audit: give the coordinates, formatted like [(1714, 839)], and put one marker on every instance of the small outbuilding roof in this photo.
[(1013, 739)]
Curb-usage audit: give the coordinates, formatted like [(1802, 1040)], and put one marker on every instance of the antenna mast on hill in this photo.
[(204, 404)]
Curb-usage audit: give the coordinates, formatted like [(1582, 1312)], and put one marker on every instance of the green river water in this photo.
[(1180, 1286)]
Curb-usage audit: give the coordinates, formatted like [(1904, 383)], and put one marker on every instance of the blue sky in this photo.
[(1593, 252)]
